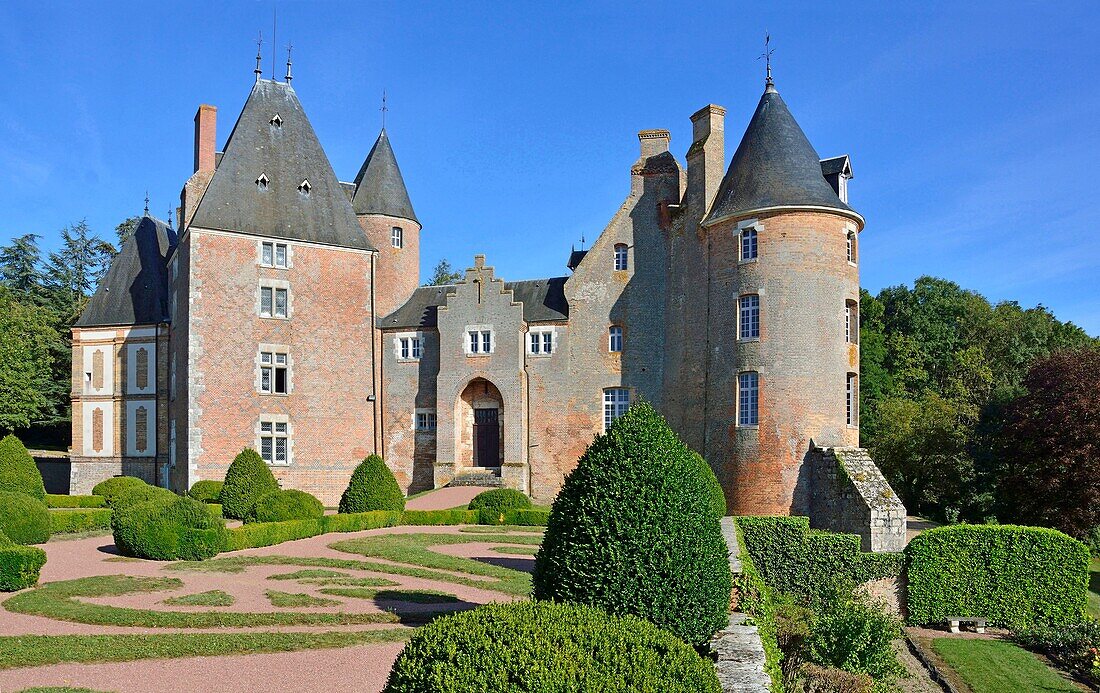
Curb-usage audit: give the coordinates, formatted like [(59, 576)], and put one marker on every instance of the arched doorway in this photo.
[(479, 419)]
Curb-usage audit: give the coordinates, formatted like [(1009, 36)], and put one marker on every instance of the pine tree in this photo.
[(75, 269), (443, 274), (19, 265)]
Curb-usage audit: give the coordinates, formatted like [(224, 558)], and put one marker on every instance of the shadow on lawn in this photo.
[(410, 614), (523, 565), (110, 549)]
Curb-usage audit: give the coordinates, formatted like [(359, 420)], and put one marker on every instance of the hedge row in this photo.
[(70, 520), (440, 517), (525, 518), (259, 534), (1014, 576), (19, 565), (59, 500), (754, 598)]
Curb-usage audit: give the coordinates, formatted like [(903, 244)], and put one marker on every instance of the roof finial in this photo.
[(384, 108), (289, 48), (769, 85), (259, 43), (146, 203), (274, 25), (170, 215)]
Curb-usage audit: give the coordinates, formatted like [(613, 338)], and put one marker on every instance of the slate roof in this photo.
[(575, 258), (836, 165), (775, 165), (288, 154), (379, 187), (134, 291), (543, 301)]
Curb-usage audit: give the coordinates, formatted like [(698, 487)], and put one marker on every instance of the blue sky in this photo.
[(973, 127)]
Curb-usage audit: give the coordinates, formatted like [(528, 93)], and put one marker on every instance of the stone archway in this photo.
[(479, 427)]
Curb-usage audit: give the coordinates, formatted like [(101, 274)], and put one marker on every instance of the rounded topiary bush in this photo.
[(168, 529), (25, 520), (542, 646), (110, 488), (139, 494), (290, 504), (633, 532), (247, 480), (493, 504), (206, 491), (18, 472), (372, 487), (715, 493), (19, 565)]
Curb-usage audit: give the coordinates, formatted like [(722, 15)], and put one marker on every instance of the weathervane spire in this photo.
[(384, 108), (259, 57), (289, 48), (146, 203), (767, 56)]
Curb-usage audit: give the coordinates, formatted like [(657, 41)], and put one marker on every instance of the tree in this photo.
[(443, 274), (1051, 443), (27, 334), (75, 269), (19, 265), (126, 229)]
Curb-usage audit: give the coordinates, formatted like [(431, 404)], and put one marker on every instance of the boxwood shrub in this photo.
[(18, 472), (541, 646), (58, 500), (1014, 576), (70, 520), (206, 491), (440, 517), (372, 487), (495, 503), (714, 491), (527, 518), (168, 529), (246, 481), (270, 533), (633, 532), (19, 565), (290, 504), (109, 488), (24, 519), (139, 494)]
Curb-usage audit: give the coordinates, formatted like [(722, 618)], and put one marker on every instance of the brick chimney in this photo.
[(706, 157), (205, 136), (653, 142)]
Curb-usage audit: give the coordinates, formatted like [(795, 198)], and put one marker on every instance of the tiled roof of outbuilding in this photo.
[(543, 301)]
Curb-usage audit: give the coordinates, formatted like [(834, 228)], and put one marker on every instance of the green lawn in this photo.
[(996, 666), (1094, 588)]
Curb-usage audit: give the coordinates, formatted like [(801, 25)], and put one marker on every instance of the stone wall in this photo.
[(849, 494)]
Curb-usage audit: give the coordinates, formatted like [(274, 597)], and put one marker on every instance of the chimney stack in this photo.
[(654, 142), (706, 157), (205, 136)]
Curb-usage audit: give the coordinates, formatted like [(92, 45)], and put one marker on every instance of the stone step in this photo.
[(478, 477)]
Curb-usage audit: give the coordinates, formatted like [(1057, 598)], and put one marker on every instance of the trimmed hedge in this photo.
[(527, 518), (495, 503), (19, 565), (811, 565), (247, 480), (24, 519), (270, 533), (139, 494), (109, 488), (1014, 576), (168, 529), (372, 487), (18, 472), (59, 500), (714, 491), (290, 504), (755, 598), (206, 491), (440, 517), (71, 520), (542, 646), (632, 531)]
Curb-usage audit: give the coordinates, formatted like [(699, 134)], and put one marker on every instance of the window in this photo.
[(409, 348), (852, 247), (615, 339), (616, 400), (273, 255), (748, 399), (748, 244), (425, 420), (620, 256), (540, 342), (274, 373), (277, 121), (397, 237), (750, 317), (851, 322), (851, 404), (274, 442), (304, 188), (273, 302), (481, 341), (262, 182)]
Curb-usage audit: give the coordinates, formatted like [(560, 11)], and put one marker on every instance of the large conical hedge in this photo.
[(18, 472), (634, 531), (247, 480), (372, 487)]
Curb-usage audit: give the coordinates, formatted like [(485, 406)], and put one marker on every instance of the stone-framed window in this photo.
[(748, 398), (851, 322), (273, 440), (425, 421), (397, 237), (748, 244), (479, 340), (274, 254), (621, 262), (615, 339), (408, 346), (541, 341), (616, 400), (274, 372), (851, 400), (851, 247), (749, 317), (275, 300)]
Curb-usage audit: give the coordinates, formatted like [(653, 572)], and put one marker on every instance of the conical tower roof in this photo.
[(275, 179), (774, 166), (379, 187)]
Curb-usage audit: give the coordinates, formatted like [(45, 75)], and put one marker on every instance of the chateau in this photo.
[(282, 310)]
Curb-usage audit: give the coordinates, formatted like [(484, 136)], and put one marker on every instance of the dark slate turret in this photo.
[(135, 289), (274, 178), (379, 187), (774, 166)]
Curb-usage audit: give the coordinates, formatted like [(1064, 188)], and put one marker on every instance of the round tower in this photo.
[(386, 215), (783, 332)]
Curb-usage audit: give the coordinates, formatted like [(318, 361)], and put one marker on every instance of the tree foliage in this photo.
[(28, 334), (443, 274)]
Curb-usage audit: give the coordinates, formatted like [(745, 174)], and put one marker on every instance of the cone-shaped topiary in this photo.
[(24, 519), (715, 493), (246, 481), (541, 646), (633, 532), (116, 486), (18, 472), (206, 491), (19, 565), (290, 504), (168, 528), (493, 504), (372, 487)]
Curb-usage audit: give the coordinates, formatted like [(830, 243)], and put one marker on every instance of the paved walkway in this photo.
[(741, 659), (445, 498)]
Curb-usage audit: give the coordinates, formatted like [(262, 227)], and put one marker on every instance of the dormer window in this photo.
[(304, 187), (276, 121), (262, 182)]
